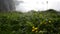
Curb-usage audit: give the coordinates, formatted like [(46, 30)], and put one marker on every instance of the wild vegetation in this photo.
[(34, 22)]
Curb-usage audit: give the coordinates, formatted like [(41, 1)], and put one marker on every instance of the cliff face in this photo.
[(7, 5)]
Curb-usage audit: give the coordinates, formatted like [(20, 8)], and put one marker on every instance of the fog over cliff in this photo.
[(7, 5)]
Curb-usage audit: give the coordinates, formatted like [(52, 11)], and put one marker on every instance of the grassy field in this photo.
[(34, 22)]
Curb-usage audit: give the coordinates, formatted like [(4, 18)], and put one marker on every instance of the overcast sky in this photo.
[(38, 5)]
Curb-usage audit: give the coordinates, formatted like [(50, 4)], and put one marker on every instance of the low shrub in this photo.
[(47, 22)]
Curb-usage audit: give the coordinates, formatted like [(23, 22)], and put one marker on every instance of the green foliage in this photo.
[(45, 22)]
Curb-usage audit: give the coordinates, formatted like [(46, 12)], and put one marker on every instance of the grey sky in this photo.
[(38, 5)]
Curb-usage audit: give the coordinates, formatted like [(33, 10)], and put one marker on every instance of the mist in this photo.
[(28, 5)]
